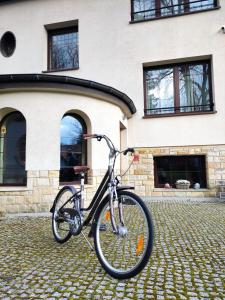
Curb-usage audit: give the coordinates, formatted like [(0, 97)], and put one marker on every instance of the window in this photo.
[(12, 150), (178, 89), (63, 49), (168, 169), (73, 147), (151, 9)]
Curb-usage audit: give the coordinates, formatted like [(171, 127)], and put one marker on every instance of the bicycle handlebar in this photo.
[(128, 150), (99, 137)]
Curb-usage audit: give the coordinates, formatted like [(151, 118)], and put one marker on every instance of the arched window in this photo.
[(73, 148), (13, 150)]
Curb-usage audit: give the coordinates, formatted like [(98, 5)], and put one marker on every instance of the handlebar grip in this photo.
[(89, 136), (128, 150)]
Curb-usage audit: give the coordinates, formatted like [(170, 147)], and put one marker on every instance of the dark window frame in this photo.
[(176, 84), (202, 157), (25, 177), (158, 11), (84, 158), (60, 31)]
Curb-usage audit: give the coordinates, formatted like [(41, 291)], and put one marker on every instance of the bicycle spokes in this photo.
[(123, 252)]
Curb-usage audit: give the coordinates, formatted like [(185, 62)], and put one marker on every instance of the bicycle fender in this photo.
[(62, 189)]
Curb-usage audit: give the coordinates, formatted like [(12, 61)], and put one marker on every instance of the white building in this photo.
[(147, 73)]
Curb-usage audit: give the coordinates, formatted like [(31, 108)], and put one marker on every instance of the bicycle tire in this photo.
[(124, 257), (63, 195)]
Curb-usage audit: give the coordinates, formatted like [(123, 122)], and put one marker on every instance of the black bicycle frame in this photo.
[(97, 197)]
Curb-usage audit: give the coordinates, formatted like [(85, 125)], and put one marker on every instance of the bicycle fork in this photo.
[(120, 228)]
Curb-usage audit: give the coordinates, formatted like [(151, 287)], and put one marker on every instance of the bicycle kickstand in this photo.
[(89, 244)]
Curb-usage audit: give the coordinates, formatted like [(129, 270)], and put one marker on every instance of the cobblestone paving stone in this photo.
[(188, 260)]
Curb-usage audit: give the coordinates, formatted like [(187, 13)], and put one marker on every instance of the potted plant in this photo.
[(182, 184)]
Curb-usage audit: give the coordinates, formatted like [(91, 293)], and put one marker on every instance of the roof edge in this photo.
[(9, 80)]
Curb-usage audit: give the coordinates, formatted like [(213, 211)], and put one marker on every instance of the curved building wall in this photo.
[(43, 112)]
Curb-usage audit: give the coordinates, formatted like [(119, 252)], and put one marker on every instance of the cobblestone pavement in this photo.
[(188, 260)]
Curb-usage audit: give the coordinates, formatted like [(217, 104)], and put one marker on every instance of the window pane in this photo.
[(201, 5), (12, 154), (64, 51), (172, 7), (160, 91), (194, 87), (73, 149), (169, 169), (143, 9), (148, 9)]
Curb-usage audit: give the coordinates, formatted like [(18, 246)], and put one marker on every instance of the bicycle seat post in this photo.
[(82, 176)]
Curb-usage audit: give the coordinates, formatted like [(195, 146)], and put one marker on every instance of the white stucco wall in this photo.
[(112, 51), (43, 112)]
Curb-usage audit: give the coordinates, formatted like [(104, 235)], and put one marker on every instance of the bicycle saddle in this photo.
[(81, 169)]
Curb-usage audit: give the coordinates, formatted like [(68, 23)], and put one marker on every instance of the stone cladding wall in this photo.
[(43, 186), (141, 174)]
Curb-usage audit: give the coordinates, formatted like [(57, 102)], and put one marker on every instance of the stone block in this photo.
[(180, 194), (53, 174), (43, 174), (33, 174), (14, 209), (43, 182), (195, 194), (156, 194), (54, 182), (168, 194), (148, 182), (143, 151)]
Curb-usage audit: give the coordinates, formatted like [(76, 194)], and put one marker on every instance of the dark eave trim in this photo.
[(62, 82)]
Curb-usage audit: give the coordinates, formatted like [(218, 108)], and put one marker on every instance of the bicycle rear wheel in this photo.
[(61, 228), (124, 254)]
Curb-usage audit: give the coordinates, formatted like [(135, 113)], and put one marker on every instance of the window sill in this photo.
[(60, 70), (179, 114), (172, 16)]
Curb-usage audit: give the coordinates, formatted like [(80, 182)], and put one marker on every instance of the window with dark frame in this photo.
[(63, 50), (182, 88), (73, 147), (151, 9), (13, 150), (169, 169)]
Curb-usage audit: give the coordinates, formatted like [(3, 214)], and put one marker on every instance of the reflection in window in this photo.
[(171, 7), (143, 9), (201, 5), (73, 148), (150, 9), (194, 87), (179, 88), (169, 169), (12, 150), (63, 49), (160, 94)]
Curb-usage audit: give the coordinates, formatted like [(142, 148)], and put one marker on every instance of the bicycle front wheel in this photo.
[(123, 254)]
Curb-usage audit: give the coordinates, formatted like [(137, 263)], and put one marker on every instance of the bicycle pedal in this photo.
[(102, 227)]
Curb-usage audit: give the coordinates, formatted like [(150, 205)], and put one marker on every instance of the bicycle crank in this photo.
[(73, 217)]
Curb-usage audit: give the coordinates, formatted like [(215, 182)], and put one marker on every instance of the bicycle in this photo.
[(120, 221)]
